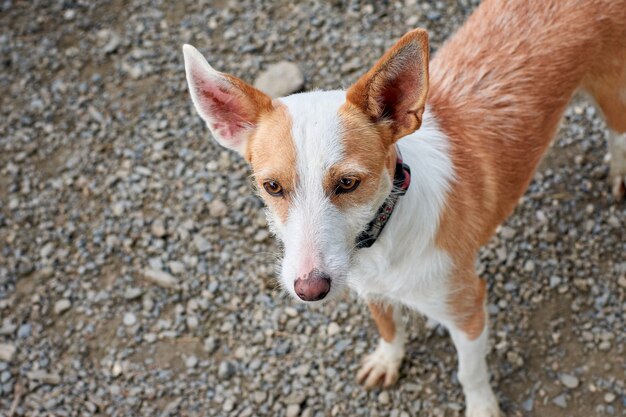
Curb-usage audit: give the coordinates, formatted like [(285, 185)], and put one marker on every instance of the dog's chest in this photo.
[(418, 281)]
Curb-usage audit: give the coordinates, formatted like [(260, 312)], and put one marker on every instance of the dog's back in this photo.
[(500, 85)]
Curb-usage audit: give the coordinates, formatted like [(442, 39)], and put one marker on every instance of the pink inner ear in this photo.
[(223, 109)]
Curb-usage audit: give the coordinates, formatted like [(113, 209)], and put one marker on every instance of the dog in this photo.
[(391, 187)]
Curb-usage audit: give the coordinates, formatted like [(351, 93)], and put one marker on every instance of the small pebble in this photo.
[(61, 306), (191, 361), (609, 397), (383, 398), (226, 370), (560, 401), (129, 319), (570, 381), (7, 352)]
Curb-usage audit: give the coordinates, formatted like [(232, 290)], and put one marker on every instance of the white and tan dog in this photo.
[(326, 163)]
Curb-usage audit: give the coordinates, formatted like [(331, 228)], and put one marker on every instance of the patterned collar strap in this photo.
[(401, 182)]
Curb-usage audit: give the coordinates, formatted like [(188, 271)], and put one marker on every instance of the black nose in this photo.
[(313, 286)]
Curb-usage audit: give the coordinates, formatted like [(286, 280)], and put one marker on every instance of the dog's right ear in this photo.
[(230, 107)]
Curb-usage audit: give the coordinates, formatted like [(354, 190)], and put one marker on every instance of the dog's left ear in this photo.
[(394, 91)]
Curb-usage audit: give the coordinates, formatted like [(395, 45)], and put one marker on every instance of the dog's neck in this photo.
[(400, 185), (411, 232), (416, 215)]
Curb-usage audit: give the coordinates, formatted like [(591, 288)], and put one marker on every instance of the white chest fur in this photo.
[(404, 265)]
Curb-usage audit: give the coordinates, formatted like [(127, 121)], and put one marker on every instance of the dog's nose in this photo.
[(312, 287)]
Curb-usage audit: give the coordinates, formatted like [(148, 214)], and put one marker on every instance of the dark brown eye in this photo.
[(347, 185), (273, 188)]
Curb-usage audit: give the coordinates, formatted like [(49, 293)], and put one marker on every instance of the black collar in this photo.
[(401, 182)]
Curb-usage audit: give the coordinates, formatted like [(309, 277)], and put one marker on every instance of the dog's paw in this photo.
[(381, 367), (485, 405)]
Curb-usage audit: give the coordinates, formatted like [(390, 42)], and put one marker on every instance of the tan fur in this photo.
[(499, 88), (383, 317), (272, 154), (390, 76), (367, 152), (254, 102), (609, 91)]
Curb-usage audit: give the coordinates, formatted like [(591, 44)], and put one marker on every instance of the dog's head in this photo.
[(323, 161)]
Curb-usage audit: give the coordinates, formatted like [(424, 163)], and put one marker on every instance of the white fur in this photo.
[(389, 267), (315, 228), (474, 375), (404, 264), (384, 362)]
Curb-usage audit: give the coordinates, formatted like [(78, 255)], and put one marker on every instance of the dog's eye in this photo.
[(347, 185), (273, 188)]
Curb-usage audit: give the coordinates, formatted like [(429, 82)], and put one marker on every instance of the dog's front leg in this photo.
[(382, 366), (480, 400), (469, 332)]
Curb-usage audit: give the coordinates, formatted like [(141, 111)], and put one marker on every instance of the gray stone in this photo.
[(529, 266), (24, 331), (555, 281), (570, 381), (218, 209), (261, 235), (132, 293), (528, 404), (507, 232), (293, 410), (7, 352), (192, 322), (129, 319), (112, 40), (158, 228), (176, 267), (333, 329), (202, 244), (47, 250), (62, 306), (5, 376), (160, 278), (44, 377), (259, 397), (280, 79), (226, 370), (384, 398), (560, 401), (191, 361), (155, 263)]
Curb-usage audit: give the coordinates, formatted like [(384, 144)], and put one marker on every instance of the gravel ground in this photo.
[(137, 272)]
